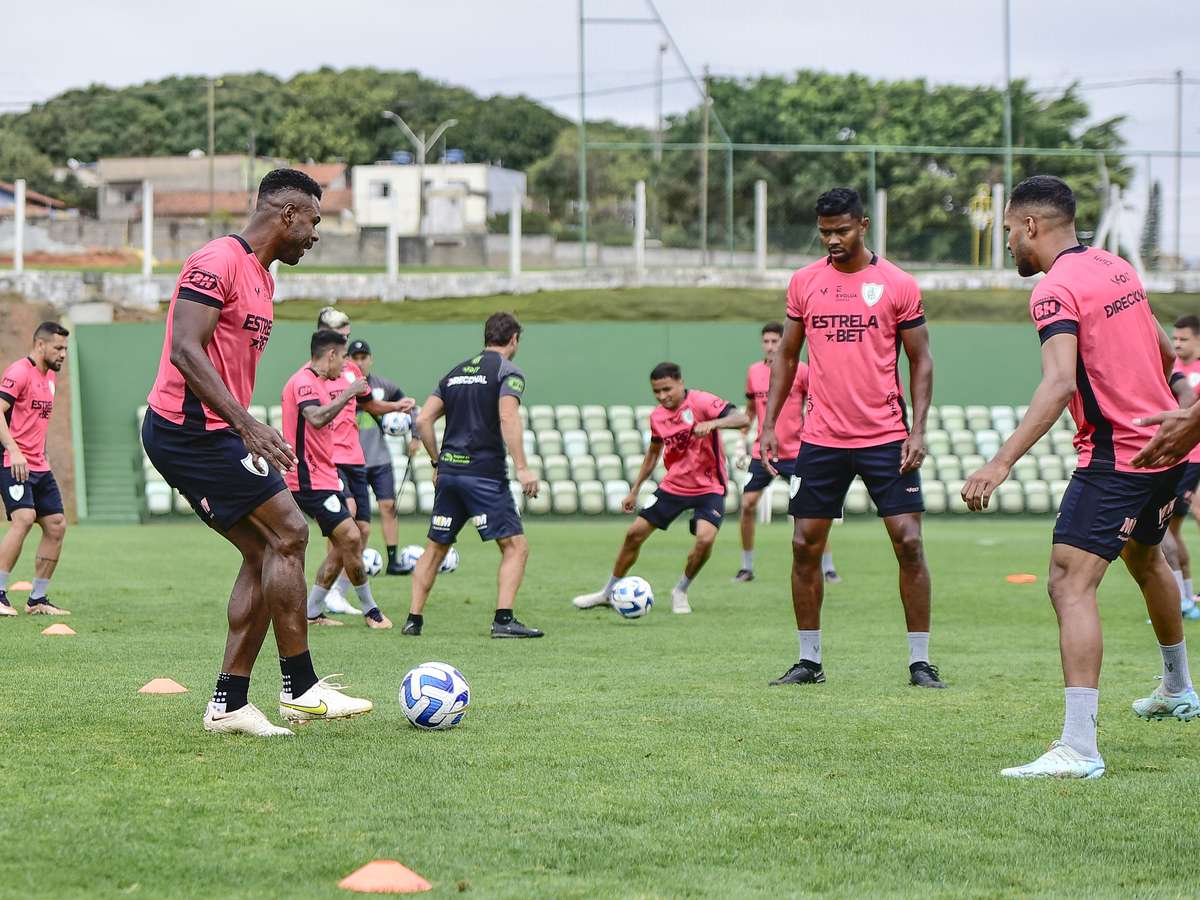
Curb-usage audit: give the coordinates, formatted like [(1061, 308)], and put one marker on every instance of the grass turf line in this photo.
[(609, 759)]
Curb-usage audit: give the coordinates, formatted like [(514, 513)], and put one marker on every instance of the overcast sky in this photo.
[(531, 47)]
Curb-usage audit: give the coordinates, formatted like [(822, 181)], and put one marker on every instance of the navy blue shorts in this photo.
[(327, 508), (354, 486), (382, 480), (486, 502), (1103, 509), (39, 493), (212, 469), (664, 508), (1187, 488), (760, 477), (823, 475)]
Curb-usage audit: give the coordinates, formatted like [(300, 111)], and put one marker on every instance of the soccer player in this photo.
[(380, 474), (200, 436), (310, 404), (1186, 341), (480, 398), (30, 491), (856, 311), (683, 429), (791, 424), (1104, 356)]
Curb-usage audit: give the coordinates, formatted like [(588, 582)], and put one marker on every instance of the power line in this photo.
[(620, 89)]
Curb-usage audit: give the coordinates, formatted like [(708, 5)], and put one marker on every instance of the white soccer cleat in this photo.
[(336, 602), (247, 720), (589, 601), (1060, 761), (1183, 706), (679, 601), (324, 700)]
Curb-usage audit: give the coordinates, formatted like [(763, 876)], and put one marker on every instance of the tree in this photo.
[(1152, 227)]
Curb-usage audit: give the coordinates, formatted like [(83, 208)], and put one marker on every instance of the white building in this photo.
[(458, 198)]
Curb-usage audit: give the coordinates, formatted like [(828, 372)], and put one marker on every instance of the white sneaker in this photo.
[(247, 720), (336, 602), (324, 700), (1183, 706), (1060, 761), (588, 601), (679, 601)]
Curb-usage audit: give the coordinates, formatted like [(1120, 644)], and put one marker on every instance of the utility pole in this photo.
[(1008, 135), (658, 138), (250, 180), (212, 177), (583, 192), (704, 176), (1179, 168)]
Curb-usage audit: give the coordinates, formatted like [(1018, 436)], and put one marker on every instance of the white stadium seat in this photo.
[(564, 497), (158, 498), (934, 493), (591, 498), (575, 442), (615, 491), (568, 417), (539, 505)]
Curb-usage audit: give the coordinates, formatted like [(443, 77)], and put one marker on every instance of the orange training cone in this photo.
[(22, 586), (384, 876), (1020, 578), (162, 686), (58, 628)]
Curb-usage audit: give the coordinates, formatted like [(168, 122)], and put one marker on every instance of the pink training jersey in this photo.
[(1098, 297), (226, 275), (30, 396), (790, 423), (315, 470), (347, 450), (853, 324), (1191, 371), (695, 465)]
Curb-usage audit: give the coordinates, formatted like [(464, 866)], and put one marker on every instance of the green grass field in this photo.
[(610, 759)]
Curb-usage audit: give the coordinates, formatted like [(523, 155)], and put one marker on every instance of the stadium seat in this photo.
[(258, 411), (601, 441), (1062, 442), (1043, 447), (934, 420), (524, 413), (928, 468), (575, 442), (1025, 470), (733, 500), (621, 417), (158, 498), (642, 417), (1010, 498), (971, 462), (422, 470), (1003, 417), (518, 495), (660, 470), (1037, 497), (779, 497), (439, 429), (583, 468), (541, 504), (988, 442), (595, 417), (541, 417), (529, 441), (962, 442), (406, 500), (564, 497), (647, 491), (857, 501), (591, 497), (729, 439), (948, 468), (609, 467), (1065, 422), (1057, 489), (615, 492), (633, 464), (979, 418), (954, 500), (629, 441), (180, 504), (953, 418), (425, 496), (1050, 468), (1021, 410), (275, 417), (568, 417), (937, 442), (1069, 461), (549, 442), (934, 493), (556, 468)]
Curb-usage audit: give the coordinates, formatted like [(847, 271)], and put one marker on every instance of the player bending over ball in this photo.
[(311, 401), (1105, 358), (30, 491), (683, 429)]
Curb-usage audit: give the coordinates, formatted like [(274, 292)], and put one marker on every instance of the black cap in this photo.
[(357, 347)]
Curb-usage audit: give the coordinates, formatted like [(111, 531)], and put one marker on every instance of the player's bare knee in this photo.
[(54, 528), (290, 539), (910, 549), (805, 551), (22, 521)]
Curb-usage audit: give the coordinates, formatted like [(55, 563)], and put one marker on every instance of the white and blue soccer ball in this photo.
[(408, 557), (396, 423), (450, 563), (372, 561), (632, 597), (435, 696)]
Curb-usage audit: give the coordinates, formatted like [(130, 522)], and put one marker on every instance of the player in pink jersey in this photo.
[(791, 424), (29, 489), (200, 436), (1186, 342), (1106, 358), (683, 430), (856, 311)]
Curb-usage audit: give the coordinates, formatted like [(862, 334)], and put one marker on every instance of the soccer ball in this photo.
[(408, 557), (450, 563), (632, 597), (435, 696), (396, 423), (372, 561)]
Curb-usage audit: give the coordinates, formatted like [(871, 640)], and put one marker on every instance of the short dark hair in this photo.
[(48, 329), (840, 201), (1189, 321), (500, 328), (1045, 190), (666, 370), (287, 180), (773, 328), (323, 340)]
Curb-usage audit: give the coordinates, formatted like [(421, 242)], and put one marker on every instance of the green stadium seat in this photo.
[(937, 442), (425, 496), (541, 504), (857, 501), (629, 441), (549, 442), (1010, 497), (962, 442), (575, 442), (621, 417), (953, 418), (954, 500), (934, 492), (971, 462), (615, 492), (1037, 497), (609, 467), (591, 498), (557, 468), (594, 412), (1051, 468), (948, 468), (583, 468), (1025, 470), (633, 464), (564, 498), (642, 417), (979, 418), (159, 501), (541, 417), (567, 416), (601, 441)]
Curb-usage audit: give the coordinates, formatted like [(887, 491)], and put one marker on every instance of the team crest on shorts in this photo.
[(16, 491), (794, 486), (872, 293), (333, 503), (255, 464)]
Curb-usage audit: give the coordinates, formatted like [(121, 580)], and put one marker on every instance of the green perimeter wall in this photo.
[(594, 362)]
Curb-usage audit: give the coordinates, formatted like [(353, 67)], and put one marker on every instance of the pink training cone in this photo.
[(384, 876), (58, 628), (162, 686), (1020, 578), (22, 586)]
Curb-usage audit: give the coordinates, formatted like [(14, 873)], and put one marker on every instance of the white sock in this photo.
[(365, 602), (1079, 723), (682, 584), (810, 645), (343, 584), (1188, 590), (1176, 677), (1184, 596), (748, 560), (918, 647), (40, 587), (608, 588), (827, 562), (3, 581), (316, 601)]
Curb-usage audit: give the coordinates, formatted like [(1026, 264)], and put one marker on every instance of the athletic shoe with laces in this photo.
[(1190, 610), (1184, 705), (43, 607), (324, 700), (411, 628), (743, 575), (589, 601), (1060, 761), (832, 577), (396, 569), (679, 602), (514, 629), (246, 720), (6, 607), (923, 674), (336, 603), (323, 620), (804, 672), (376, 619)]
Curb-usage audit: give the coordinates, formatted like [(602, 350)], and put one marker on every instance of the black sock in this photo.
[(503, 616), (391, 549), (416, 618), (298, 673), (231, 690)]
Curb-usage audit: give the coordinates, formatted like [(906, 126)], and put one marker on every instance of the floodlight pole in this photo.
[(583, 191), (1179, 168), (421, 145), (704, 175), (1008, 135), (212, 102), (658, 136)]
